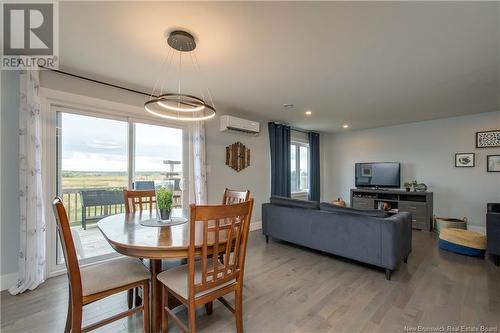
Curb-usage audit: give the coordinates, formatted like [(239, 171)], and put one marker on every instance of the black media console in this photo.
[(419, 204)]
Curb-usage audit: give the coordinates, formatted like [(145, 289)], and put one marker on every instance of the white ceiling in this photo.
[(366, 64)]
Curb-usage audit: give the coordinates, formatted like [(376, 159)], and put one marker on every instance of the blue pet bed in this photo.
[(463, 242), (457, 248)]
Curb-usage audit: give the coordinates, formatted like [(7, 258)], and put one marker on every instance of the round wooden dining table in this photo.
[(127, 236)]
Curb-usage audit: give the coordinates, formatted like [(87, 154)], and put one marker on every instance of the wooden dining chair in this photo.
[(229, 197), (221, 228), (95, 282), (139, 200), (233, 196)]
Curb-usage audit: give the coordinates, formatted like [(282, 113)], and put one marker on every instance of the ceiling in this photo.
[(366, 64)]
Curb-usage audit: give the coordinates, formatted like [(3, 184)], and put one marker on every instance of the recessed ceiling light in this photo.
[(345, 126), (308, 112)]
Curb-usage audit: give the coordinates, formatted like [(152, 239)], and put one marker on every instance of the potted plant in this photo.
[(163, 203)]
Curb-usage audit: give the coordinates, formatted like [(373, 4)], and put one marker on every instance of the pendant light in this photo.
[(180, 106)]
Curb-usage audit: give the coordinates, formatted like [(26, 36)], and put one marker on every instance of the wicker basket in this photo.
[(448, 222)]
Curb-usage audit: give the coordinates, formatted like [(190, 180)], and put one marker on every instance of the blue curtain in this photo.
[(279, 139), (314, 170)]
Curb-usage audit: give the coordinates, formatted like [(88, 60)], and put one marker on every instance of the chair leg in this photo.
[(209, 308), (76, 318), (388, 273), (164, 314), (130, 298), (192, 317), (137, 299), (267, 239), (67, 328), (145, 310), (238, 313)]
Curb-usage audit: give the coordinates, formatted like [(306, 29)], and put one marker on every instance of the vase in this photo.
[(163, 214)]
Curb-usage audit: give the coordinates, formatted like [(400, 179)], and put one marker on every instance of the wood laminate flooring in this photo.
[(293, 289)]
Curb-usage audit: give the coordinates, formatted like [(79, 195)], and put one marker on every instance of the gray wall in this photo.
[(9, 219), (426, 151)]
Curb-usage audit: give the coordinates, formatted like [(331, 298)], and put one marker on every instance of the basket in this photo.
[(449, 222)]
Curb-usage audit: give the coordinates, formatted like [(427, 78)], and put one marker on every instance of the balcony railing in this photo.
[(73, 202)]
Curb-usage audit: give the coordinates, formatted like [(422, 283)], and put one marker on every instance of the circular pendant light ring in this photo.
[(180, 107)]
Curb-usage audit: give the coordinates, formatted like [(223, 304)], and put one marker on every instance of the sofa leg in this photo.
[(267, 239), (388, 273), (497, 260), (406, 260)]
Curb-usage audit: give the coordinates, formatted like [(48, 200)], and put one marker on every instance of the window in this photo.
[(299, 167), (97, 157)]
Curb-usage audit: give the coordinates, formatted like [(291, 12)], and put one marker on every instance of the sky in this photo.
[(97, 144)]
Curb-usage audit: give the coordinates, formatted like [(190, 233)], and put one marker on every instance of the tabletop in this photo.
[(127, 236)]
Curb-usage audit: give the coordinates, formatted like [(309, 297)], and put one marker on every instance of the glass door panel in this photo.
[(158, 156), (92, 163)]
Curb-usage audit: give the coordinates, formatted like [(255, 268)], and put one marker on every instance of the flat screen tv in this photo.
[(378, 175)]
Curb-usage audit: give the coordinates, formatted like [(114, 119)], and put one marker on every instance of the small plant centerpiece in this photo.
[(164, 194)]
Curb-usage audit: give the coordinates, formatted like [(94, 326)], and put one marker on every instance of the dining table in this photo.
[(127, 236)]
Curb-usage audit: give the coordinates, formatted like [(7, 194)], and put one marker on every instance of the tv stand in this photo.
[(419, 204)]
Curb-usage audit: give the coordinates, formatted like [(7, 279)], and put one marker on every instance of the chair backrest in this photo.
[(68, 247), (224, 229), (139, 199), (232, 196)]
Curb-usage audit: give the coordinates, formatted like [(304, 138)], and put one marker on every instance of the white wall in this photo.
[(255, 178), (426, 151)]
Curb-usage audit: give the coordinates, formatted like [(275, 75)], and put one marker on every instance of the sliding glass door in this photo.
[(97, 157)]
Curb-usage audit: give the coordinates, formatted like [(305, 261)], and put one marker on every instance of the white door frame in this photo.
[(54, 101)]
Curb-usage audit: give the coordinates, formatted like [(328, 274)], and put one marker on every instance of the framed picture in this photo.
[(464, 160), (493, 163), (488, 139)]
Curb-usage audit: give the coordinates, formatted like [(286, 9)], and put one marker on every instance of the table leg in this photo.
[(156, 295)]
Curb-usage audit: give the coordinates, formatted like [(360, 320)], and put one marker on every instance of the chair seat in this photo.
[(113, 274), (176, 279)]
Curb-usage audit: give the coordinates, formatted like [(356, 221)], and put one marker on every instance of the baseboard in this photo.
[(477, 228), (255, 225), (8, 280)]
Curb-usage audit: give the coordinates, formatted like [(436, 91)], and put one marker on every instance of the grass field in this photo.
[(81, 179)]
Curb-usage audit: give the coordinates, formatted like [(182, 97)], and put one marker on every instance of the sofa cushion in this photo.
[(288, 202), (339, 209)]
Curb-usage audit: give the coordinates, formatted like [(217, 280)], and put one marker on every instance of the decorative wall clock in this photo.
[(237, 156)]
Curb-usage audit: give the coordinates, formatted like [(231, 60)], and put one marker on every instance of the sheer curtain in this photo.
[(197, 164), (31, 255)]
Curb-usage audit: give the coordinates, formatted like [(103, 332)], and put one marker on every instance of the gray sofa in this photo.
[(369, 236), (493, 231)]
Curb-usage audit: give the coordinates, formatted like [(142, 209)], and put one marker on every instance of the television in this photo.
[(378, 175)]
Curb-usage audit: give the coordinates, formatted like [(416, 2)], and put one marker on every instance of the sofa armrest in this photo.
[(396, 234)]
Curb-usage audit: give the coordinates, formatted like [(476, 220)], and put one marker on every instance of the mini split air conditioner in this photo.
[(229, 123)]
